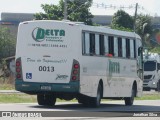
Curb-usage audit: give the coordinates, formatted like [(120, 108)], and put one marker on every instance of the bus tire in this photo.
[(81, 101), (48, 100), (96, 101), (129, 100), (40, 99)]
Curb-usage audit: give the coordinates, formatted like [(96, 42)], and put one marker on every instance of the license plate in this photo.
[(46, 88)]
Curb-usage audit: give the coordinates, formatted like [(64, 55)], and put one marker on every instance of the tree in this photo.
[(143, 24), (77, 11), (155, 50), (122, 20), (7, 43)]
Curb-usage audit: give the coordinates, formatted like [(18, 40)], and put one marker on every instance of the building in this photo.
[(102, 19), (12, 20)]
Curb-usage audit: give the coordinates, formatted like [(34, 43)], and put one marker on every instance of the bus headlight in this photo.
[(154, 83)]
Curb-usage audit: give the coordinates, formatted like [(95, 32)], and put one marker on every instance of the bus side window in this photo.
[(115, 46), (106, 45), (128, 48), (134, 47), (97, 44), (101, 42), (138, 47), (86, 43), (92, 43), (111, 45), (119, 47), (131, 48), (123, 48)]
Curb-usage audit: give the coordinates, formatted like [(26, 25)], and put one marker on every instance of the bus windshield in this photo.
[(150, 66)]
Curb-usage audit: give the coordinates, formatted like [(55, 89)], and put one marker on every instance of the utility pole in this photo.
[(135, 16), (65, 10)]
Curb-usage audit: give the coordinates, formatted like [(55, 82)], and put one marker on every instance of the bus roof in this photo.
[(98, 29)]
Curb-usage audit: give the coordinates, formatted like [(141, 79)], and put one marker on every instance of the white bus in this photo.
[(60, 59)]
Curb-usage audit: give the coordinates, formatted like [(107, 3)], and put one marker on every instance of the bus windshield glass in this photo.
[(150, 66)]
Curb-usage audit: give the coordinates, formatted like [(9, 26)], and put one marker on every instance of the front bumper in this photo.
[(149, 84)]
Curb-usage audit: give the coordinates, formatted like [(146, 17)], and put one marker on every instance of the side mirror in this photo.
[(140, 50)]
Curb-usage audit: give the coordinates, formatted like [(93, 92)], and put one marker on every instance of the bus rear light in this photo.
[(18, 63), (75, 72), (18, 70), (76, 66), (74, 77), (18, 76)]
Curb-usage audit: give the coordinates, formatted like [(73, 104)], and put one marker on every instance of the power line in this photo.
[(107, 6), (140, 8), (111, 6)]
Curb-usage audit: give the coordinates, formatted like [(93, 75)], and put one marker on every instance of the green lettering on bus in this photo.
[(114, 67), (40, 34)]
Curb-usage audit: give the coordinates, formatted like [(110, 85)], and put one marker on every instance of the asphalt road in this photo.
[(113, 110)]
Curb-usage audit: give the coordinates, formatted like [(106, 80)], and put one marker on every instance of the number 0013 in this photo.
[(46, 68)]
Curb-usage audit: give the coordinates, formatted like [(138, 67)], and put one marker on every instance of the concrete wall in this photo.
[(17, 17)]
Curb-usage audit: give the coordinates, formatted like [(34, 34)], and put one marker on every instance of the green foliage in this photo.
[(7, 43), (122, 21), (117, 27), (77, 11), (143, 25), (95, 24), (145, 30), (155, 50)]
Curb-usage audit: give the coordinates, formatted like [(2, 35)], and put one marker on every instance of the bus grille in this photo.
[(147, 76), (146, 81)]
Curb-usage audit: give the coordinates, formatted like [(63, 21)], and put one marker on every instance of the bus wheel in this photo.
[(48, 100), (129, 100), (81, 100), (41, 99), (96, 101)]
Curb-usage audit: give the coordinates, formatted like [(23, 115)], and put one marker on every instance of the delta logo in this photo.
[(39, 34)]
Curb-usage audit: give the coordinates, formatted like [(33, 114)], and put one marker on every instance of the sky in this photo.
[(150, 7)]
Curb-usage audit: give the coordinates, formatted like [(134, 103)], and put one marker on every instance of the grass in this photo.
[(7, 83), (7, 87), (149, 97), (25, 98), (22, 98), (17, 98)]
